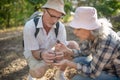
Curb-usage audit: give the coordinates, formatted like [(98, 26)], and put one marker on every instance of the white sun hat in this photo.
[(57, 5), (85, 18)]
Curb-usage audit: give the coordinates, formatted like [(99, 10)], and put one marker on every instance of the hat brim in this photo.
[(77, 25), (59, 10)]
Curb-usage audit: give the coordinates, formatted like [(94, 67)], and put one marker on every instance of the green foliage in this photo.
[(108, 8), (116, 26), (10, 11), (15, 12), (37, 1), (68, 7), (37, 4), (66, 18), (5, 12), (116, 22)]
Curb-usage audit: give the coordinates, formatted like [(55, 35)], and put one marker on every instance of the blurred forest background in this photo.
[(14, 13)]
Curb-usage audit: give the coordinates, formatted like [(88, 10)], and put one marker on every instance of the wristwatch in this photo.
[(40, 55)]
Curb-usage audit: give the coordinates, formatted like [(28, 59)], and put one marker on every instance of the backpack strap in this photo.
[(36, 19), (57, 29)]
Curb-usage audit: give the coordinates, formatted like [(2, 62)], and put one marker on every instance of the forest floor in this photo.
[(13, 65)]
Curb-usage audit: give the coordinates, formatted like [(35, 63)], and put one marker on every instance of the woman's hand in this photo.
[(62, 64), (60, 47), (65, 63)]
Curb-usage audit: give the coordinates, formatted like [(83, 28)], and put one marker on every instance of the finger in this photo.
[(51, 55), (62, 68), (60, 57), (56, 64), (59, 54), (58, 45), (61, 43), (49, 61), (57, 49)]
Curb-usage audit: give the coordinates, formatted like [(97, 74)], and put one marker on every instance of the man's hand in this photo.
[(59, 56), (48, 56)]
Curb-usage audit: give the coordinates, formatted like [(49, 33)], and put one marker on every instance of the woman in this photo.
[(103, 45)]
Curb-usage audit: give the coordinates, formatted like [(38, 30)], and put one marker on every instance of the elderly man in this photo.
[(37, 48)]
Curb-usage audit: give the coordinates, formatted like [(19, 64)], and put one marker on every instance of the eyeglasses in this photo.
[(53, 15)]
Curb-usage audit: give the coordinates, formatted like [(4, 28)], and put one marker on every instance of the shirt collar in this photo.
[(40, 23)]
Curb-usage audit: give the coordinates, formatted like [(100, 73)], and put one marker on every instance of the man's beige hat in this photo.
[(57, 5), (85, 18)]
